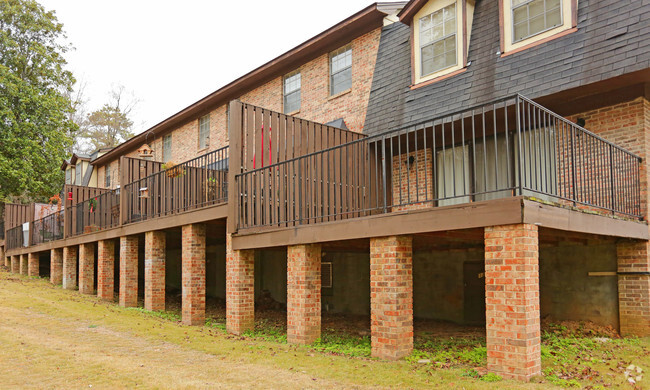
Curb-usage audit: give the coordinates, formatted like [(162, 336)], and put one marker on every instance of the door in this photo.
[(474, 299)]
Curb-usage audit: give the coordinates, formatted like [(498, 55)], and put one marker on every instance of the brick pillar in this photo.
[(193, 258), (240, 289), (512, 301), (33, 264), (87, 268), (70, 267), (15, 264), (24, 264), (3, 256), (129, 271), (56, 266), (105, 269), (391, 296), (303, 293), (634, 287), (154, 270)]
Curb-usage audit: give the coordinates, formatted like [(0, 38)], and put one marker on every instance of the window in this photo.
[(204, 132), (68, 176), (326, 274), (292, 92), (78, 175), (438, 40), (341, 70), (531, 17), (107, 183), (167, 148)]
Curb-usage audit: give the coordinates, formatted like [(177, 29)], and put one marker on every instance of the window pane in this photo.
[(520, 15), (536, 8), (554, 18), (341, 61), (449, 12), (204, 131), (521, 31), (425, 22), (537, 24), (292, 102), (535, 16), (341, 81), (450, 27)]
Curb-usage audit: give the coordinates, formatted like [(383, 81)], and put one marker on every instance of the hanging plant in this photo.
[(92, 203)]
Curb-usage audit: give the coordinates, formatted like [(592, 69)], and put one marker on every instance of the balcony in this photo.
[(511, 147)]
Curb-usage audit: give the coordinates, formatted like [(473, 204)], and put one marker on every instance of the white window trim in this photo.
[(284, 91), (207, 138), (164, 148), (347, 47), (508, 26), (463, 33)]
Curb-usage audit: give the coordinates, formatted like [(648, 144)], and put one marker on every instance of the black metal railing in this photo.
[(49, 228), (94, 214), (15, 237), (509, 147), (196, 183)]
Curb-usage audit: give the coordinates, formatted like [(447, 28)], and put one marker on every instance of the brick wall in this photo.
[(15, 264), (129, 271), (193, 262), (24, 264), (303, 293), (633, 288), (105, 269), (70, 267), (56, 266), (154, 270), (414, 183), (240, 289), (512, 301), (391, 296), (33, 264), (87, 268)]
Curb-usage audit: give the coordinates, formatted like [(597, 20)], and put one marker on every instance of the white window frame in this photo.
[(443, 38), (286, 93), (107, 176), (204, 132), (340, 51), (527, 3), (167, 149)]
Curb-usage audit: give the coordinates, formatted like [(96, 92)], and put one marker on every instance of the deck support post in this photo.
[(303, 293), (33, 264), (15, 264), (240, 289), (56, 266), (193, 259), (24, 264), (154, 270), (87, 268), (512, 301), (105, 269), (129, 271), (634, 287), (391, 296), (70, 267)]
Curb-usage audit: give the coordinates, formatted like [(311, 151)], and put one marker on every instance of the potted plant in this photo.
[(92, 204), (212, 187), (172, 170)]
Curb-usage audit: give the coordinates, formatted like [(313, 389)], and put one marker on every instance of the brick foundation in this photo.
[(56, 266), (240, 289), (512, 301), (70, 267), (24, 266), (193, 259), (33, 264), (87, 268), (633, 288), (391, 296), (303, 293), (105, 269), (129, 271), (15, 264), (154, 270)]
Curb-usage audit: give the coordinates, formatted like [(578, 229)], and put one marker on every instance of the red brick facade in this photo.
[(240, 289), (15, 264), (129, 271), (634, 288), (87, 268), (512, 300), (391, 296), (105, 269), (32, 264), (70, 267), (154, 270), (56, 266), (193, 259), (303, 293)]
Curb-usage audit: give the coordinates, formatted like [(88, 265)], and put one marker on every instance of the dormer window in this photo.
[(438, 40)]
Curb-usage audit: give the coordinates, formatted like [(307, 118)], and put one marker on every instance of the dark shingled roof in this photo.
[(612, 39)]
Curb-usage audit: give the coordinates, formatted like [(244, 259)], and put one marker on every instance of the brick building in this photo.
[(479, 162)]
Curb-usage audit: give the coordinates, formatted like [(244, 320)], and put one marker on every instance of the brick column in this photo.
[(3, 256), (391, 296), (240, 289), (70, 267), (33, 264), (193, 258), (154, 270), (129, 271), (512, 301), (87, 268), (15, 264), (303, 293), (24, 264), (56, 266), (633, 288), (105, 269)]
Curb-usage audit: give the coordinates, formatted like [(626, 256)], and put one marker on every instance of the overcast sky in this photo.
[(170, 54)]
